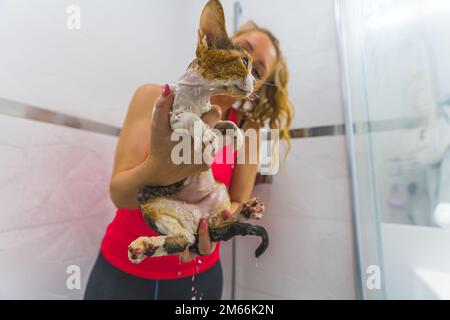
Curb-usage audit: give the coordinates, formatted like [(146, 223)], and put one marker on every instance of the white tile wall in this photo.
[(308, 220), (308, 259), (55, 206), (92, 72)]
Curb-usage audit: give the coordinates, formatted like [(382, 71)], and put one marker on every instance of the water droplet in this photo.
[(197, 269), (256, 263), (192, 289), (193, 278), (179, 273)]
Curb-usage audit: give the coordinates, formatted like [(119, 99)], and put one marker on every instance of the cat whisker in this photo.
[(266, 83)]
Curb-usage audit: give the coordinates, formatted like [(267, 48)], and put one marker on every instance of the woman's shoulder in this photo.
[(147, 90), (143, 99)]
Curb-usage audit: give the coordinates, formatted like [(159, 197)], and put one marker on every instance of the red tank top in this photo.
[(128, 225)]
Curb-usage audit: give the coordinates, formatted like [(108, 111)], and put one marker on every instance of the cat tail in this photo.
[(241, 229)]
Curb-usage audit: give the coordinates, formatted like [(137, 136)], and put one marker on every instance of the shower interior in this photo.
[(395, 59)]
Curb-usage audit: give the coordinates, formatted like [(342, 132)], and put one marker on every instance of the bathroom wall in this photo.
[(55, 206), (308, 213), (92, 72), (54, 180)]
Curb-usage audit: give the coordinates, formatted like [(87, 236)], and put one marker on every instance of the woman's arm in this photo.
[(130, 165), (243, 176)]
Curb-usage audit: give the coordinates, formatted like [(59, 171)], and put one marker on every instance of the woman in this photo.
[(137, 163)]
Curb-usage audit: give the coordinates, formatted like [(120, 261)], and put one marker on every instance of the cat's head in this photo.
[(225, 67)]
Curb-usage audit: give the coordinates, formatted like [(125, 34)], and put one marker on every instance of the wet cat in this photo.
[(174, 211)]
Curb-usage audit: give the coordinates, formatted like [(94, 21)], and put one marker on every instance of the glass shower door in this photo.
[(396, 74)]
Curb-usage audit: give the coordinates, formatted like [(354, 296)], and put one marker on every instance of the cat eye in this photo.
[(245, 61)]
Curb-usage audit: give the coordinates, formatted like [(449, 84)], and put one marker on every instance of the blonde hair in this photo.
[(272, 105)]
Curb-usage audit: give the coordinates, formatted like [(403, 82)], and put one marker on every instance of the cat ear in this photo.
[(212, 32)]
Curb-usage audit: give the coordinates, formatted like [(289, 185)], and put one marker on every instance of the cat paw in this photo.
[(140, 248), (253, 209)]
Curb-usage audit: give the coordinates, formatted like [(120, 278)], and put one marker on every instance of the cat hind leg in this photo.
[(144, 247)]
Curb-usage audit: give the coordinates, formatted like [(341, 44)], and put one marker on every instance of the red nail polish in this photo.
[(165, 90), (203, 223)]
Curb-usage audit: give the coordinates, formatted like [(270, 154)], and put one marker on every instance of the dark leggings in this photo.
[(108, 282)]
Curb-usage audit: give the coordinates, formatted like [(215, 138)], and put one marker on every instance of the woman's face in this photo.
[(264, 57)]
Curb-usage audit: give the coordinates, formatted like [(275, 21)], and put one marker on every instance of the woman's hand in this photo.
[(205, 246), (161, 169)]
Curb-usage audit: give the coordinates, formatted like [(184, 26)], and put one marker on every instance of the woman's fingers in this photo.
[(227, 214), (204, 246), (212, 116), (162, 108), (161, 129)]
